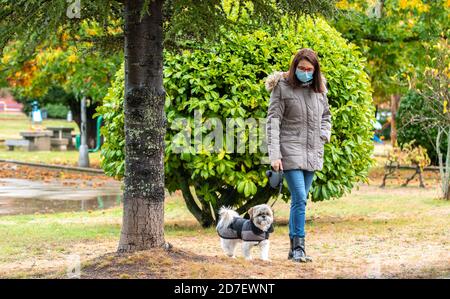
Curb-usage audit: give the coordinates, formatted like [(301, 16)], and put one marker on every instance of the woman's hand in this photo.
[(277, 165)]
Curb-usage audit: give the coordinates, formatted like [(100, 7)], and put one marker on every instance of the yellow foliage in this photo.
[(409, 155), (403, 4), (64, 36), (414, 4), (355, 5), (6, 58), (343, 4), (72, 58), (91, 32), (113, 31)]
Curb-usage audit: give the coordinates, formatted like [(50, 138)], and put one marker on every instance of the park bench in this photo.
[(13, 143), (39, 140), (408, 157), (61, 132), (392, 168), (59, 144)]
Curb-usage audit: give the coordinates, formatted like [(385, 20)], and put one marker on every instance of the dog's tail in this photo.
[(226, 215)]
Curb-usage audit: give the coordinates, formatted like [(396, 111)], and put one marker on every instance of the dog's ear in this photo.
[(250, 213)]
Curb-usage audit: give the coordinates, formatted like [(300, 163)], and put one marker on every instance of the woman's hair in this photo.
[(311, 56)]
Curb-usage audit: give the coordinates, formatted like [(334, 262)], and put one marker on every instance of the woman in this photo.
[(298, 126)]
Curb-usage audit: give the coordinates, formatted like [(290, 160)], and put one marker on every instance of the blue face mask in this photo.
[(304, 76)]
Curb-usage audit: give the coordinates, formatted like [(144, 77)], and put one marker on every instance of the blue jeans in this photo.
[(299, 181)]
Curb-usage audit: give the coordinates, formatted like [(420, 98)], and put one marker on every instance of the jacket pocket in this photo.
[(320, 151)]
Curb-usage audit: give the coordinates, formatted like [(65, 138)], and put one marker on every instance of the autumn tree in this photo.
[(64, 68), (434, 90), (394, 36)]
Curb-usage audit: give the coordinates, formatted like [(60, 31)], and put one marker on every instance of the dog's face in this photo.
[(261, 216)]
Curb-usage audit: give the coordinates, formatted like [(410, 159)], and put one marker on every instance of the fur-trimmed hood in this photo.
[(272, 80)]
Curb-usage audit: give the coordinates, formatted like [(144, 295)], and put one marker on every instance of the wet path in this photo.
[(22, 196)]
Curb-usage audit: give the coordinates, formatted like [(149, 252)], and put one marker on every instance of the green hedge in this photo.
[(57, 111)]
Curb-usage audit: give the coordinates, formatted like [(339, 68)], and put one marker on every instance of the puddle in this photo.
[(19, 196)]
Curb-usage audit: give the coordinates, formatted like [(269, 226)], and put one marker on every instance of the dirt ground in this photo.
[(407, 244), (399, 242)]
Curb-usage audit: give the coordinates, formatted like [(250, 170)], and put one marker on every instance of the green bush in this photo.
[(411, 106), (56, 111), (113, 148), (227, 81)]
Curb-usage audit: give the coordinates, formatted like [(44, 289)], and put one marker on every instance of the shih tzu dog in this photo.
[(233, 229)]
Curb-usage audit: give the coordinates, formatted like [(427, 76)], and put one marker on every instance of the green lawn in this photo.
[(48, 157), (12, 125)]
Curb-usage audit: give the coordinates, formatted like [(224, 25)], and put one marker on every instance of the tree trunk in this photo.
[(395, 100), (447, 194), (91, 123), (145, 128), (444, 168), (446, 177), (200, 215)]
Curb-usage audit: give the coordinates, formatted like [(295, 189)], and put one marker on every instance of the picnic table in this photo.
[(37, 140), (62, 137)]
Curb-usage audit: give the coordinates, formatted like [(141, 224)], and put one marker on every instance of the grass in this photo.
[(405, 230), (48, 157), (13, 124)]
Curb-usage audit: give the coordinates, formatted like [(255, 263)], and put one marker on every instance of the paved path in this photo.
[(26, 196)]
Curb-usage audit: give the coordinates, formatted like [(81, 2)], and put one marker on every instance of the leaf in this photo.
[(247, 189)]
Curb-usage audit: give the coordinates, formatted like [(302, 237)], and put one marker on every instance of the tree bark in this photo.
[(202, 217), (444, 168), (91, 128), (395, 100), (145, 128)]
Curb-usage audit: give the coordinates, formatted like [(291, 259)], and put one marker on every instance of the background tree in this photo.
[(394, 35), (436, 96), (63, 70), (146, 22), (413, 106)]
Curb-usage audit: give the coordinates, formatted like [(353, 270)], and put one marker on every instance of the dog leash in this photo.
[(279, 188)]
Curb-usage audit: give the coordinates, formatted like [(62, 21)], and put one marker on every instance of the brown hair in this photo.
[(311, 56)]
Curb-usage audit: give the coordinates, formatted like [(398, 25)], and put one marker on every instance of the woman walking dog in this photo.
[(298, 126)]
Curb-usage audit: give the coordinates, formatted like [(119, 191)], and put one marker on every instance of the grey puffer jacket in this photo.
[(298, 124)]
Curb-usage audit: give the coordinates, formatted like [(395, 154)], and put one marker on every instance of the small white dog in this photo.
[(233, 229)]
